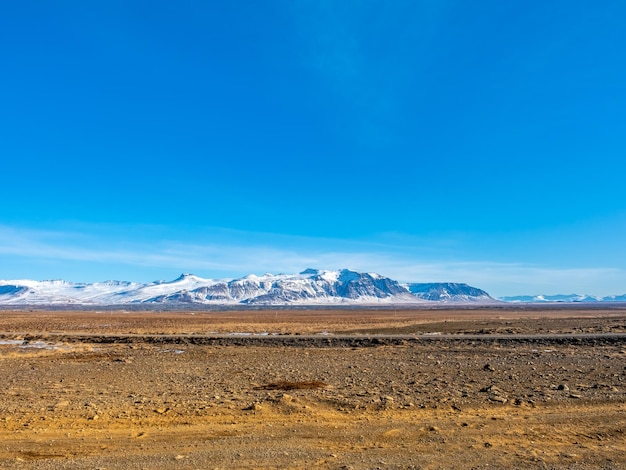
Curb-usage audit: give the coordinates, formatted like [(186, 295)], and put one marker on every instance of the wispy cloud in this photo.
[(230, 254), (286, 254)]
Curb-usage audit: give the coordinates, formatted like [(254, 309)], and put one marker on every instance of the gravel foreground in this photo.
[(415, 402)]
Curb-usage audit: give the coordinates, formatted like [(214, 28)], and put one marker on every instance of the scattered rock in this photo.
[(498, 399), (253, 407), (286, 398)]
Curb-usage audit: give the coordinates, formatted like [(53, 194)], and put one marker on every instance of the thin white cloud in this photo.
[(235, 257)]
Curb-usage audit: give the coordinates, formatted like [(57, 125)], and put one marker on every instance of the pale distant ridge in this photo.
[(563, 298)]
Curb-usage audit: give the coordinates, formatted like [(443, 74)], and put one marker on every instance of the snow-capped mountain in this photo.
[(310, 287), (614, 298), (563, 298), (449, 292)]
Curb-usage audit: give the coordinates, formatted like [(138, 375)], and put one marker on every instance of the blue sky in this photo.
[(480, 142)]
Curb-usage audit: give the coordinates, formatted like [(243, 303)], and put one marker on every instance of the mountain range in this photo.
[(564, 298), (310, 287)]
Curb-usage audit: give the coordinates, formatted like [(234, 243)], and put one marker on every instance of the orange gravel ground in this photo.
[(424, 405)]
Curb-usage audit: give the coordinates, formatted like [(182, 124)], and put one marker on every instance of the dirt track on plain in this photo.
[(426, 401)]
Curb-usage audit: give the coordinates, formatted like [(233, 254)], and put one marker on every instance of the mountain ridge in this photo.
[(562, 298), (309, 287)]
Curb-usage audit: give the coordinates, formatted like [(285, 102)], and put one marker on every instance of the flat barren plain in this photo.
[(426, 389)]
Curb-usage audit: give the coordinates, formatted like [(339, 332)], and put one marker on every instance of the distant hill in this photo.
[(448, 292), (562, 298)]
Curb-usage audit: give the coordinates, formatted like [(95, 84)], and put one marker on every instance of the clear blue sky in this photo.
[(480, 142)]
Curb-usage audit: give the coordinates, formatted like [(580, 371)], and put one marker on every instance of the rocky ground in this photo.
[(421, 403)]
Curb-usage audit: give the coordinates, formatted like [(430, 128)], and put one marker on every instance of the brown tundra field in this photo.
[(496, 388)]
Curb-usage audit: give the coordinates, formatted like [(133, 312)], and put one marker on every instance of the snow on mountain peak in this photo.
[(254, 277), (187, 277)]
